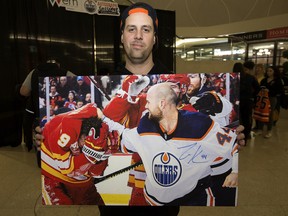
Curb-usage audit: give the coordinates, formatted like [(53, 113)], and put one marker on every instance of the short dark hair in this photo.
[(88, 123), (276, 70), (238, 67), (249, 64)]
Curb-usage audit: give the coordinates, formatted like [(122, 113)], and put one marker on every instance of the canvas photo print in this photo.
[(134, 140)]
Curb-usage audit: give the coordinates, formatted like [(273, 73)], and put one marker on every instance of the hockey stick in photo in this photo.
[(233, 124), (99, 87), (111, 175)]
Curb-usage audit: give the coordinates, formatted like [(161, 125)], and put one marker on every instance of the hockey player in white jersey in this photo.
[(205, 99), (177, 149)]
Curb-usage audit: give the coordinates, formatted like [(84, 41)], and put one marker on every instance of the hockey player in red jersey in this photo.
[(127, 108), (75, 149)]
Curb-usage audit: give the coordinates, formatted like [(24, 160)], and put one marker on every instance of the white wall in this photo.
[(235, 28), (203, 66)]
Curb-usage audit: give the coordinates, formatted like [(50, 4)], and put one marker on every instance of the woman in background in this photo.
[(259, 72), (272, 82)]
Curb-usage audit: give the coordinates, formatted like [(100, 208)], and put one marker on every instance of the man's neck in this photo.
[(169, 123)]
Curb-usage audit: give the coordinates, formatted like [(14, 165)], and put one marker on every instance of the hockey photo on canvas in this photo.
[(213, 99)]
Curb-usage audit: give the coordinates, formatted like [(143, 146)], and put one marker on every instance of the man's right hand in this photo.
[(100, 113), (37, 138)]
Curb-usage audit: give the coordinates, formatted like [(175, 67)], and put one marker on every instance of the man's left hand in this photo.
[(240, 136)]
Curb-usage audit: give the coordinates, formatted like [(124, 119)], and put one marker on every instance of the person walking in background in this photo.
[(282, 100), (272, 82), (29, 89), (249, 67), (249, 88), (259, 74), (29, 114)]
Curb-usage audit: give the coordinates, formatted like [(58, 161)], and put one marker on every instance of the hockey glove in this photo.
[(208, 103), (96, 145), (98, 168), (132, 87), (75, 149)]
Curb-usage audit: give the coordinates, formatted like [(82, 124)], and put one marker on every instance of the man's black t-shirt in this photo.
[(158, 68)]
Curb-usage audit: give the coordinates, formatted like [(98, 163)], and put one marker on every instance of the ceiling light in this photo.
[(191, 40)]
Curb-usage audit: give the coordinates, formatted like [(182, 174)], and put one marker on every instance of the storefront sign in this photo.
[(251, 36), (262, 35), (277, 33), (89, 6)]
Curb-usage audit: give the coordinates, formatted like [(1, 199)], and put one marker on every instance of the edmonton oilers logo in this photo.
[(90, 6), (166, 169)]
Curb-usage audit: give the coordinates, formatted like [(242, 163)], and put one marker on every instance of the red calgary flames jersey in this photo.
[(61, 134)]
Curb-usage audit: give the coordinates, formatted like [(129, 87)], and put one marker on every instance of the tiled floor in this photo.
[(263, 184)]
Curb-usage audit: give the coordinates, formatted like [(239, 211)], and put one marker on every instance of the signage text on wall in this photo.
[(89, 6)]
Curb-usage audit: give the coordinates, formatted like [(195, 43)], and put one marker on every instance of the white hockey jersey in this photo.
[(175, 162)]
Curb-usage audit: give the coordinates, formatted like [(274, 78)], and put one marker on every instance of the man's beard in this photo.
[(157, 117), (193, 92), (137, 59)]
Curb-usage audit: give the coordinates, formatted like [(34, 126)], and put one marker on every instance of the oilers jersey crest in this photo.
[(166, 169), (174, 162)]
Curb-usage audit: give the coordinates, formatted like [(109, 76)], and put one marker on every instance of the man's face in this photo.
[(63, 81), (270, 72), (53, 90), (138, 37), (152, 106), (246, 70), (81, 140), (76, 147), (259, 70), (195, 84), (88, 97)]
